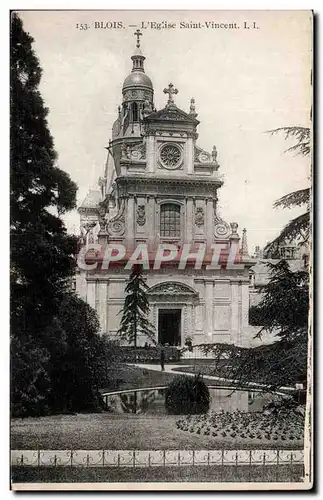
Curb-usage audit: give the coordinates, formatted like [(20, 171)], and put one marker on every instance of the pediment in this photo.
[(172, 288), (172, 113)]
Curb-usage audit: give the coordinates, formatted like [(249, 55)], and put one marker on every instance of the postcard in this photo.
[(161, 272)]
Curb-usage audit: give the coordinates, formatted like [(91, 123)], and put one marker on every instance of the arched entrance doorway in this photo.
[(172, 305)]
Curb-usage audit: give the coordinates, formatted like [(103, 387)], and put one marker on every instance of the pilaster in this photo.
[(151, 231), (90, 296), (103, 299), (209, 221), (189, 220), (234, 311), (150, 153), (244, 308), (190, 155), (130, 219), (209, 309)]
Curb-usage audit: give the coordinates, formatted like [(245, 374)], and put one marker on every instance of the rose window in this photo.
[(170, 156)]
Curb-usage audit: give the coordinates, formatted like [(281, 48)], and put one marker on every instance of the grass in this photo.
[(132, 377), (112, 431), (205, 368), (120, 431), (255, 473)]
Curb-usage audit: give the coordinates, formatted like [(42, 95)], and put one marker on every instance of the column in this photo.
[(90, 295), (151, 220), (190, 155), (150, 152), (189, 220), (244, 310), (81, 284), (190, 329), (103, 289), (130, 219), (184, 325), (234, 311), (209, 309), (209, 222), (156, 320)]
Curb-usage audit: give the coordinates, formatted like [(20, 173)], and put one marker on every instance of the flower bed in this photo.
[(243, 427)]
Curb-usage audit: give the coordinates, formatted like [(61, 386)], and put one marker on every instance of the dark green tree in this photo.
[(78, 354), (30, 381), (283, 311), (135, 310), (56, 352), (284, 308), (41, 250)]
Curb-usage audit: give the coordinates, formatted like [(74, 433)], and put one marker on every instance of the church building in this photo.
[(160, 187)]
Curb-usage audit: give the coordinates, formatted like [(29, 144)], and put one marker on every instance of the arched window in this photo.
[(134, 109), (170, 220)]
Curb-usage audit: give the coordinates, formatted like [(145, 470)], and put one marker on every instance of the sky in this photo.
[(244, 81)]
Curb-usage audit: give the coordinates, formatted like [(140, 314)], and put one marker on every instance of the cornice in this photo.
[(169, 180)]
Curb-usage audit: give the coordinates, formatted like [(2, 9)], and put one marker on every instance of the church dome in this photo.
[(137, 79)]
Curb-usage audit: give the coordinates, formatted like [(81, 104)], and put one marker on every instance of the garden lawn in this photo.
[(132, 377), (122, 431)]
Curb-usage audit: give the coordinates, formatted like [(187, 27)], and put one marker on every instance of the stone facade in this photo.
[(160, 187)]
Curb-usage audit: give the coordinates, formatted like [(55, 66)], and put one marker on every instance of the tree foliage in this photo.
[(41, 250), (78, 356), (135, 310), (299, 227), (56, 352), (283, 312), (30, 382), (66, 373), (273, 365), (283, 309), (302, 136)]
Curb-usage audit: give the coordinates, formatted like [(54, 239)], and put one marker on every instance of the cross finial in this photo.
[(170, 90), (138, 34)]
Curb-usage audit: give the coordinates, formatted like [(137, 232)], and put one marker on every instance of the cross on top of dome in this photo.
[(170, 90), (138, 34), (138, 78)]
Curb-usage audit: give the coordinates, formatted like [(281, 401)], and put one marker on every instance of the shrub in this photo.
[(187, 395), (30, 383), (129, 354)]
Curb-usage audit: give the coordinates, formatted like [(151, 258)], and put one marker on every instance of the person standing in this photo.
[(162, 357)]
